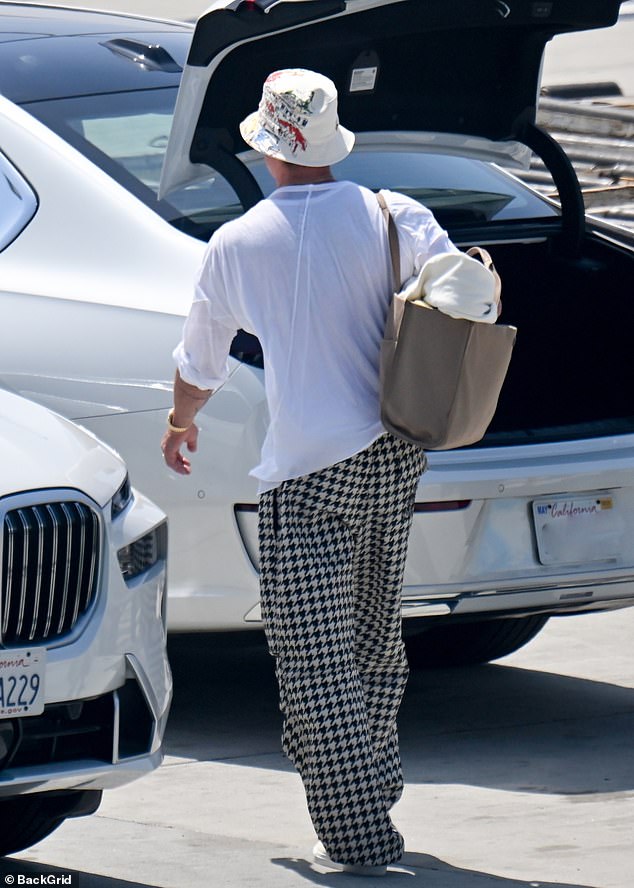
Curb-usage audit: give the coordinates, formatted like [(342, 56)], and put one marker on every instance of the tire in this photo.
[(28, 819), (467, 644)]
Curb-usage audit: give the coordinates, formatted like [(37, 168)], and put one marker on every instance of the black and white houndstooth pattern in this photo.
[(332, 555)]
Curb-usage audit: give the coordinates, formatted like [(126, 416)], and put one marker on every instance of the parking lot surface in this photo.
[(519, 775)]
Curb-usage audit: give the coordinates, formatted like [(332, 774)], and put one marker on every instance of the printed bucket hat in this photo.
[(297, 121)]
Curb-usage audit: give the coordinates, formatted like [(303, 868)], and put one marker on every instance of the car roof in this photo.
[(56, 20), (101, 52)]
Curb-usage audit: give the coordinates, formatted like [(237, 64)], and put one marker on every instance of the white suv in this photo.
[(85, 685)]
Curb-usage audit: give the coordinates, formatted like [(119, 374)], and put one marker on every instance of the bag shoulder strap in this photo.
[(392, 233), (485, 258)]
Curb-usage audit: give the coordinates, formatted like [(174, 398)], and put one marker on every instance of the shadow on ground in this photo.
[(416, 871), (494, 726)]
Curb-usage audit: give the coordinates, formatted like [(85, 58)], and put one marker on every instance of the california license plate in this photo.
[(578, 529), (22, 682)]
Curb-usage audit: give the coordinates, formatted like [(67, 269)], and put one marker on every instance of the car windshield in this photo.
[(126, 135)]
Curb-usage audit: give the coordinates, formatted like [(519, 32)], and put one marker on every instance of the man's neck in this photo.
[(292, 174)]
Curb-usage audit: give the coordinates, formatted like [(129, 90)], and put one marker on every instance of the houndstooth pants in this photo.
[(332, 555)]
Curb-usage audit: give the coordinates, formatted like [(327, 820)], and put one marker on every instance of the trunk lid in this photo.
[(468, 67)]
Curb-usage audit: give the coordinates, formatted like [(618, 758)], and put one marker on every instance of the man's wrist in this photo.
[(191, 392)]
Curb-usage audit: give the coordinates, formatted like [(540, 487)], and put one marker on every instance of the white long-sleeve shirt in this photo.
[(307, 270)]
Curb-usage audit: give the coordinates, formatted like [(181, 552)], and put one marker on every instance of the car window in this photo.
[(458, 190), (18, 203), (126, 134)]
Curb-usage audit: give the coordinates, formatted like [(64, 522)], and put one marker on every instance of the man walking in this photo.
[(307, 270)]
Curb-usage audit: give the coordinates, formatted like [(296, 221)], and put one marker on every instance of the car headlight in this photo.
[(122, 498), (142, 554)]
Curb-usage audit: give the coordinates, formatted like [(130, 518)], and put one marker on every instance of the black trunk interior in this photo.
[(570, 375)]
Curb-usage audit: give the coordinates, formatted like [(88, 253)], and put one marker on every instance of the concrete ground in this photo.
[(592, 56), (519, 775)]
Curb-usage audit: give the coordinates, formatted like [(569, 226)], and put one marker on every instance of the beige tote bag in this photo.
[(441, 375)]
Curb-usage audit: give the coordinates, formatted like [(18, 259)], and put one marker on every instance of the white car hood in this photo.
[(41, 450)]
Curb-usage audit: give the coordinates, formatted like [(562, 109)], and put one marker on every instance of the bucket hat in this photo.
[(297, 121)]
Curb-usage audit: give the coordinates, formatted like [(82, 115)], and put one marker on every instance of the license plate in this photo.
[(578, 529), (22, 682)]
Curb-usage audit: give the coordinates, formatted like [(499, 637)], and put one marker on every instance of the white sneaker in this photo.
[(357, 869)]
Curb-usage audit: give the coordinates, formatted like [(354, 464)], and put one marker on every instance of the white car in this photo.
[(85, 686), (97, 274)]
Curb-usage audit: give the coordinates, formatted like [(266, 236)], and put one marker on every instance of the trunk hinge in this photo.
[(573, 223), (212, 147)]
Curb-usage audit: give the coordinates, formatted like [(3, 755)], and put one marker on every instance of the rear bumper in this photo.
[(567, 596)]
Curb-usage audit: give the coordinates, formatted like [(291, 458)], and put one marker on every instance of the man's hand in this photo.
[(171, 447), (181, 429)]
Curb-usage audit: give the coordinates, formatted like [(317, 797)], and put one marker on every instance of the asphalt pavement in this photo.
[(518, 775)]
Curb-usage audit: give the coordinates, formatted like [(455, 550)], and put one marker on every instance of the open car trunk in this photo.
[(468, 67), (571, 363), (568, 378)]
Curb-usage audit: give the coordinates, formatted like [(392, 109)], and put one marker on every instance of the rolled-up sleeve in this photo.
[(202, 354)]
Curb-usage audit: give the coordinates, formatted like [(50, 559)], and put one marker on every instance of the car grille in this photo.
[(50, 570)]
